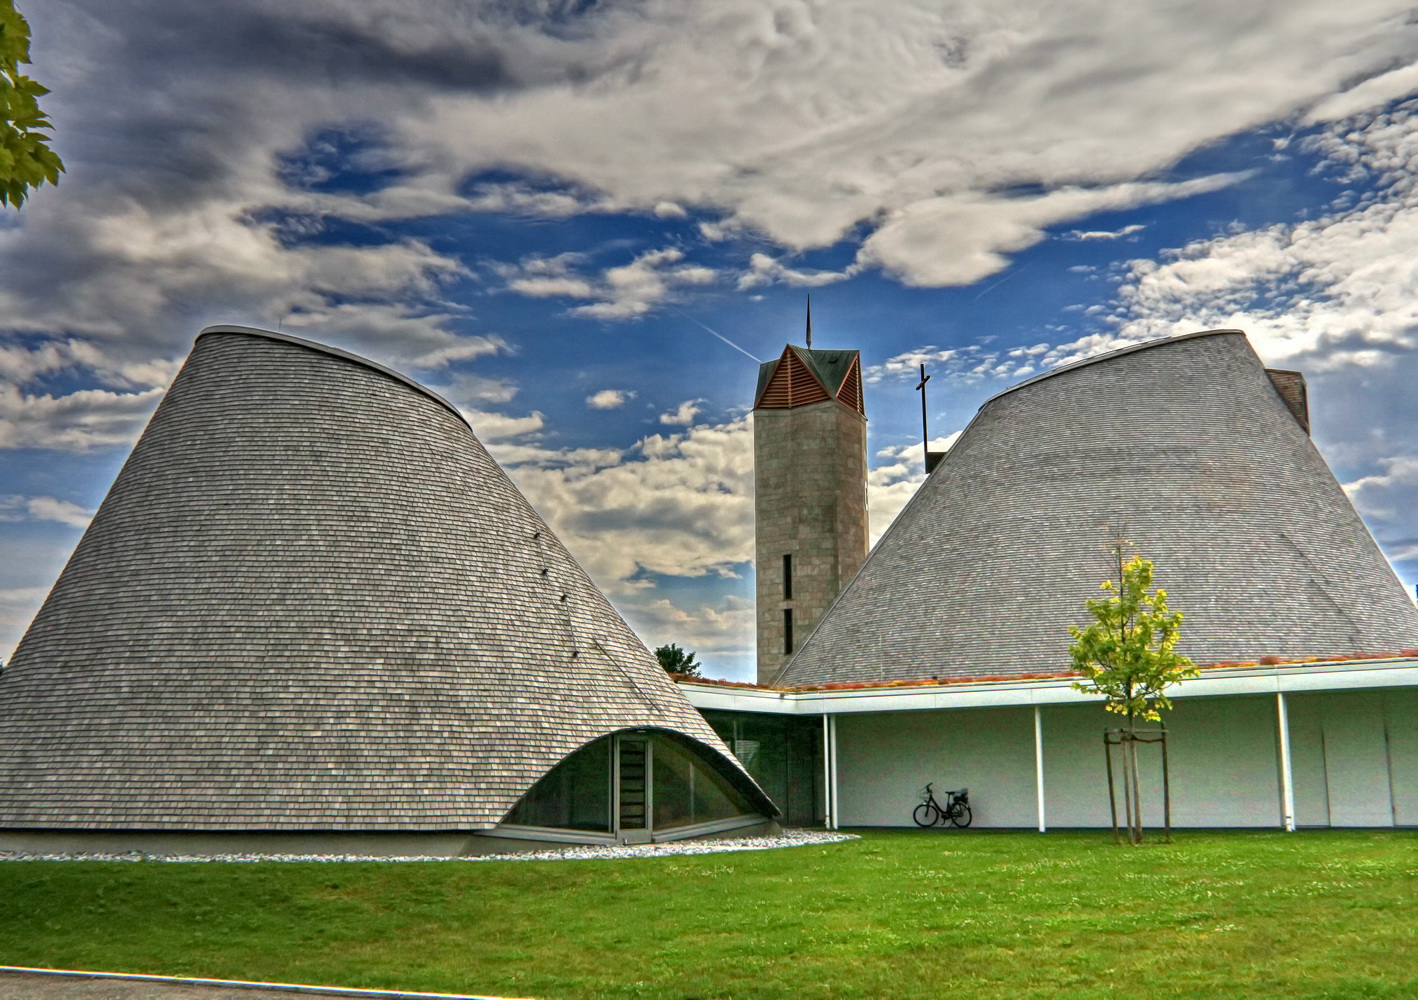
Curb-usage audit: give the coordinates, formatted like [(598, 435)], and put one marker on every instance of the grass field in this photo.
[(895, 914)]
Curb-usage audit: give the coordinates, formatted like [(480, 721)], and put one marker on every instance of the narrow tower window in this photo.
[(787, 577), (787, 630)]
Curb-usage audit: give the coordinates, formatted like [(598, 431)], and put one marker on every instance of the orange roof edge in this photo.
[(1264, 661)]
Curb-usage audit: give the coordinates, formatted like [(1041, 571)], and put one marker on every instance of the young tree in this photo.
[(26, 161), (677, 661), (1128, 655)]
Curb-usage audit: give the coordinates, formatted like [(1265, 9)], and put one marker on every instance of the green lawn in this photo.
[(896, 914)]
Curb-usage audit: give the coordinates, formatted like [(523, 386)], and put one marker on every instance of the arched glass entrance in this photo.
[(635, 787)]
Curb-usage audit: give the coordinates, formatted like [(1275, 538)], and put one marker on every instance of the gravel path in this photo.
[(47, 986), (37, 986), (788, 838)]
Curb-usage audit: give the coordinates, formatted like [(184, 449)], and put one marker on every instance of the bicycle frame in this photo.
[(955, 811)]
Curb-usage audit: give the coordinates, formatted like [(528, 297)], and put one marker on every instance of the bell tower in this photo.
[(810, 506)]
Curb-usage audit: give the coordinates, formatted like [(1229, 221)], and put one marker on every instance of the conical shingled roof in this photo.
[(1186, 448), (312, 601)]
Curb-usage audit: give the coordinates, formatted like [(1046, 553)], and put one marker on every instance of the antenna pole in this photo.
[(925, 434)]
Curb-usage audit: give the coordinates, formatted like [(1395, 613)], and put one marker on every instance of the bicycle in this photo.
[(956, 809)]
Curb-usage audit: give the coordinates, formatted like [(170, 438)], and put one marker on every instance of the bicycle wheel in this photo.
[(960, 815), (926, 814)]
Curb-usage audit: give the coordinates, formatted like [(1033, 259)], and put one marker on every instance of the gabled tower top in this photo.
[(802, 376)]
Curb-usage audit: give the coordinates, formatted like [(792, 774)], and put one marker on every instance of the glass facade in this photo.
[(688, 793), (784, 755), (574, 795), (644, 781)]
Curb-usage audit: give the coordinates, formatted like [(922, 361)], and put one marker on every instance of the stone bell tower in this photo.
[(810, 468)]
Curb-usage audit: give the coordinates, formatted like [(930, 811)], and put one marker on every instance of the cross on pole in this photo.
[(925, 434)]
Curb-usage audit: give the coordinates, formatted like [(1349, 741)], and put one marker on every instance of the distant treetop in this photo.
[(677, 661)]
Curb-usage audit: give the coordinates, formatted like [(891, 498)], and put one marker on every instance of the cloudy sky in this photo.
[(582, 221)]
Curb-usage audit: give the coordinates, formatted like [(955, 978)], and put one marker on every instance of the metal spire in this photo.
[(809, 321)]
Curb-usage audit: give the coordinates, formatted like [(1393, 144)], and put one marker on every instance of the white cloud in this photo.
[(973, 363), (802, 122), (1374, 92), (498, 427), (18, 606), (1337, 290), (473, 391), (608, 399), (62, 511), (20, 508), (625, 291), (911, 122), (895, 479), (80, 421), (461, 349), (684, 415), (725, 627), (1091, 235), (1380, 495), (960, 239), (765, 270), (677, 505), (633, 289)]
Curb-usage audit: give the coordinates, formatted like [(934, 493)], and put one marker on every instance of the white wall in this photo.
[(1306, 714), (1356, 757), (1222, 756), (1401, 724), (885, 759)]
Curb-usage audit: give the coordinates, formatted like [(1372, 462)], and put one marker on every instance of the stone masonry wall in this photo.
[(810, 466)]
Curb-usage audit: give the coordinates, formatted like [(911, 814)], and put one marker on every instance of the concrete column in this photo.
[(832, 737), (828, 770), (1039, 763), (1287, 772)]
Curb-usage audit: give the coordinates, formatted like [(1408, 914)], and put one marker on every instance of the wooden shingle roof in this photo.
[(1183, 447), (312, 601)]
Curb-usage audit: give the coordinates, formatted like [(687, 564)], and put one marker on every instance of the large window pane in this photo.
[(574, 795), (784, 755), (687, 792)]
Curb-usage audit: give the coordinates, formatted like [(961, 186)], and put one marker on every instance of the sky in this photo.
[(584, 222)]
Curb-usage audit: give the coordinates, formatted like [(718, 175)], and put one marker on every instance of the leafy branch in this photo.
[(1128, 653), (26, 161)]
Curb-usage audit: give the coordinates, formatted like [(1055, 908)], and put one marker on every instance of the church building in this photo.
[(945, 657), (313, 616)]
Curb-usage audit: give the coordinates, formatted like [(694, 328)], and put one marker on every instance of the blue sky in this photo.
[(547, 211)]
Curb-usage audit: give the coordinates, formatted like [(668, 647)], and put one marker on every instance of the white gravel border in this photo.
[(583, 852)]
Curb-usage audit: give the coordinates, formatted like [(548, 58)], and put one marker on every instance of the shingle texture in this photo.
[(312, 601), (1186, 448)]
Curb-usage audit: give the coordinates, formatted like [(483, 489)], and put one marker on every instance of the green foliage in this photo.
[(1129, 652), (26, 161), (677, 661)]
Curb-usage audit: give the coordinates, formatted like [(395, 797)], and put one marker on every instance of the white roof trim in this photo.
[(1345, 675)]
